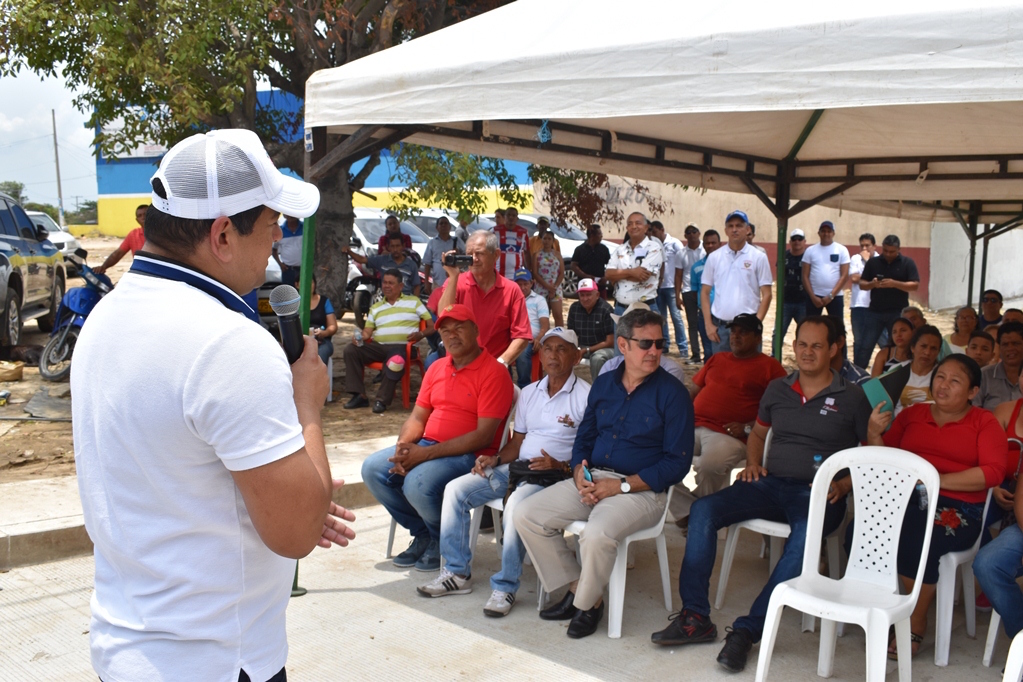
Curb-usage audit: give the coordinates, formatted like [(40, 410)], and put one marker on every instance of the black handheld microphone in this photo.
[(286, 302)]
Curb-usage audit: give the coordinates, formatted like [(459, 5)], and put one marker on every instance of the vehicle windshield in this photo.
[(568, 231), (44, 221), (373, 229)]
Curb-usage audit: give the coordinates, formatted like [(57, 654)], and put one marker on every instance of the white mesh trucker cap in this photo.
[(225, 172)]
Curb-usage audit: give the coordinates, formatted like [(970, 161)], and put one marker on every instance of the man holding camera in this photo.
[(496, 302)]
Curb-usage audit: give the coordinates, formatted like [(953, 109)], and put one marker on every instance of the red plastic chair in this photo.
[(537, 370), (411, 359)]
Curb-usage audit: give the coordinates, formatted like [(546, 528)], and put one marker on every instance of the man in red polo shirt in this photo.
[(725, 401), (459, 415), (495, 301)]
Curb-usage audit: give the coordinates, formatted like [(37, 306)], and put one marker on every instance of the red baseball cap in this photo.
[(456, 311)]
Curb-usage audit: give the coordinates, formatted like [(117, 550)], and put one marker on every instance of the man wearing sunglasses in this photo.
[(634, 443)]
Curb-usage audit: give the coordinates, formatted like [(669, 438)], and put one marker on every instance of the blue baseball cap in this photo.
[(522, 274), (827, 224), (737, 214)]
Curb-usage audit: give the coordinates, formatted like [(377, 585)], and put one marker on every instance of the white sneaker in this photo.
[(499, 604), (444, 584)]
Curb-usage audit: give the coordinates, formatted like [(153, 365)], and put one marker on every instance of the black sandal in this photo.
[(915, 640)]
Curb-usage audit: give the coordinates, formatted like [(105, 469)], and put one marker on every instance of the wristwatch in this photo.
[(625, 486), (501, 360), (748, 429)]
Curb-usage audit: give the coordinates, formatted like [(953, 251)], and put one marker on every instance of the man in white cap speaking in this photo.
[(200, 456)]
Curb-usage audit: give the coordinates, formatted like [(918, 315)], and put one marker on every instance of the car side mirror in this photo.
[(42, 234)]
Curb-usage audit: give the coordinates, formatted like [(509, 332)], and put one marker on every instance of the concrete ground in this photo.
[(362, 619)]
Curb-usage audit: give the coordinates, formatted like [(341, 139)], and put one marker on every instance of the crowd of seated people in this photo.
[(608, 454)]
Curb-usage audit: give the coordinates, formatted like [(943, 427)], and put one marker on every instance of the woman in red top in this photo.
[(968, 448)]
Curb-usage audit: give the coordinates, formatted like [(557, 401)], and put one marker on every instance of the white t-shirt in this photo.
[(550, 422), (860, 298), (672, 260), (825, 266), (736, 277), (917, 390), (686, 259), (173, 391)]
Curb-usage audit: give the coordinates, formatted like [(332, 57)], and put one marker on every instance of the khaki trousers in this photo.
[(714, 456), (542, 518)]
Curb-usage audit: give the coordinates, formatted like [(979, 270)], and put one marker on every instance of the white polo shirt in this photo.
[(649, 255), (825, 266), (173, 391), (550, 422), (736, 277), (859, 297)]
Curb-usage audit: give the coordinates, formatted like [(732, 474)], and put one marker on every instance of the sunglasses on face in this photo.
[(645, 344), (989, 299), (796, 239)]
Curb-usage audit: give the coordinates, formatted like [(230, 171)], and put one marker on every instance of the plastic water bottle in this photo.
[(357, 337), (921, 491), (817, 461)]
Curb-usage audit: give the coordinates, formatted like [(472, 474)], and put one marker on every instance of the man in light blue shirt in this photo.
[(539, 322), (433, 257)]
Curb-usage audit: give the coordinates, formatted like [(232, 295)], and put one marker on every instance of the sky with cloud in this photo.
[(26, 140)]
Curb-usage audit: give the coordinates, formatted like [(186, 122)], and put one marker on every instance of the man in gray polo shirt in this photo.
[(813, 411)]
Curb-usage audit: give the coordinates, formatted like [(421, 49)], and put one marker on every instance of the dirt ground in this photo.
[(41, 449)]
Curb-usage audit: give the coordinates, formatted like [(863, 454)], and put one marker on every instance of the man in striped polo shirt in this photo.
[(514, 244), (390, 324)]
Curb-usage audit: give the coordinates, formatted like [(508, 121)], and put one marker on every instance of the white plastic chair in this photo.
[(946, 591), (476, 527), (616, 587), (1014, 665), (868, 595), (992, 638), (777, 532)]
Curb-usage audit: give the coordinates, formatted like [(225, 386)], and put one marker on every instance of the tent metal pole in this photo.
[(983, 261), (782, 204), (972, 234), (973, 259)]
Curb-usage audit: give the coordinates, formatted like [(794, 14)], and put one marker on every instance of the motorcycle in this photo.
[(74, 308)]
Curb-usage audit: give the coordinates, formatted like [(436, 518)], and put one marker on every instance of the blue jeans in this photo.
[(524, 366), (708, 345), (461, 496), (875, 325), (774, 498), (861, 351), (620, 310), (414, 500), (997, 566), (789, 312), (666, 302)]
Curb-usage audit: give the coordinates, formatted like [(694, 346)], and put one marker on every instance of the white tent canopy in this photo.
[(858, 104)]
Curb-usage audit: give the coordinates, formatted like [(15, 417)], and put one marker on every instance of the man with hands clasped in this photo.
[(462, 407), (547, 418), (813, 411), (634, 443)]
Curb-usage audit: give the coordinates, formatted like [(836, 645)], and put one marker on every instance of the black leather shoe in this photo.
[(736, 650), (379, 407), (563, 610), (585, 623), (355, 402)]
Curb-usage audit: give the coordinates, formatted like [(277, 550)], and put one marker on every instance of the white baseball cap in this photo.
[(562, 333), (638, 305), (226, 172)]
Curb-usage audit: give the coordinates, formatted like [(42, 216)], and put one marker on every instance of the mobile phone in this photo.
[(587, 475), (456, 260)]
